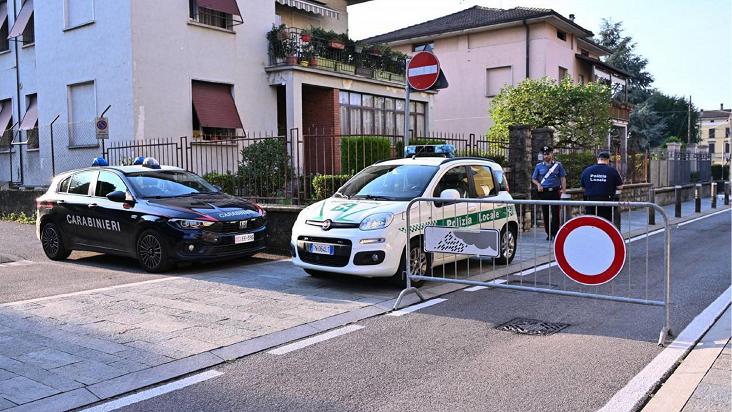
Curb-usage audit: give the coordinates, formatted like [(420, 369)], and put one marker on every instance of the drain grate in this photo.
[(535, 327)]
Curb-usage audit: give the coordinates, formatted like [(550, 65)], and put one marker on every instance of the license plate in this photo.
[(245, 238), (321, 248)]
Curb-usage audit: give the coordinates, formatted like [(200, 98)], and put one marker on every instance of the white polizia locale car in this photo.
[(361, 229)]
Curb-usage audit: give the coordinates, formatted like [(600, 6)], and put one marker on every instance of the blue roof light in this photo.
[(431, 150)]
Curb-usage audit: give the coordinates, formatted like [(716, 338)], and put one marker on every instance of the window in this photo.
[(109, 182), (6, 121), (393, 182), (712, 133), (581, 79), (168, 183), (82, 111), (497, 78), (29, 34), (561, 35), (455, 178), (64, 186), (726, 132), (711, 147), (223, 14), (214, 110), (483, 181), (80, 183), (423, 46), (369, 114), (726, 147), (4, 41), (30, 121), (78, 12), (562, 73), (23, 24)]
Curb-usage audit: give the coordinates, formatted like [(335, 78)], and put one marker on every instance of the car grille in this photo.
[(339, 259), (233, 226)]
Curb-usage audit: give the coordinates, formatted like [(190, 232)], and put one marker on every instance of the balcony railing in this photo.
[(293, 46)]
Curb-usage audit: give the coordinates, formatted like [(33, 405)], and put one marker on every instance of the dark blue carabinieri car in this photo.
[(158, 215)]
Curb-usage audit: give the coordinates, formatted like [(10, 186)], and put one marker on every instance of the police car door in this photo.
[(75, 224), (112, 220), (488, 215), (450, 214)]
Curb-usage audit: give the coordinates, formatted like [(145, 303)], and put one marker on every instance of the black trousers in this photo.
[(605, 212), (545, 212)]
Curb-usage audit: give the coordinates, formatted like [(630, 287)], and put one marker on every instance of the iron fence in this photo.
[(672, 167)]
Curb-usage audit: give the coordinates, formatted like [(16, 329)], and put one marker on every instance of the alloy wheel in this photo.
[(150, 251), (50, 240)]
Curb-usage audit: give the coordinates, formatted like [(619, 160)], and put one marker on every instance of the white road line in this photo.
[(315, 339), (475, 288), (17, 263), (704, 217), (413, 308), (151, 393), (84, 292), (645, 235), (533, 270), (630, 397)]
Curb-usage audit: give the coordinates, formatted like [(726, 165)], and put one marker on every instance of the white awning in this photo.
[(22, 20), (30, 120), (309, 7), (6, 113)]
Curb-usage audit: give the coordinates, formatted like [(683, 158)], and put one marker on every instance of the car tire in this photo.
[(509, 240), (151, 252), (53, 243), (415, 249), (317, 273)]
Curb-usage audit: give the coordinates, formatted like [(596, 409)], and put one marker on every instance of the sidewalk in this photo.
[(702, 382)]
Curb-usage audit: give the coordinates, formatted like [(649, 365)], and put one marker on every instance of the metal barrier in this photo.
[(473, 241)]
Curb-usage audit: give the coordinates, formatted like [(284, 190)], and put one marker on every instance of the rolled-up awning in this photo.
[(224, 6), (6, 113), (31, 116), (311, 8), (215, 106), (22, 20), (3, 13)]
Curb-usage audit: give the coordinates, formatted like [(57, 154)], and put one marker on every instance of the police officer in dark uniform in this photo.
[(600, 181), (550, 180)]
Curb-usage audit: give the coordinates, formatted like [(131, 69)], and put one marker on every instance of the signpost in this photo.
[(590, 250), (422, 73), (102, 126)]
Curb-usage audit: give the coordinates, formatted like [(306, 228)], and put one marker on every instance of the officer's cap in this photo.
[(604, 155), (547, 149)]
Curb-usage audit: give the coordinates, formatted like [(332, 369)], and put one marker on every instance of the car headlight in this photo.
[(377, 221), (190, 223)]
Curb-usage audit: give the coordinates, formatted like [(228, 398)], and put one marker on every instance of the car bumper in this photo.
[(202, 245), (352, 256)]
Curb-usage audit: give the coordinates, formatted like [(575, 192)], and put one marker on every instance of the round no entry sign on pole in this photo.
[(423, 70), (589, 250)]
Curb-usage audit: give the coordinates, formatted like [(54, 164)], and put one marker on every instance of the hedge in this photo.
[(357, 152), (574, 164), (264, 169), (227, 182), (325, 185), (720, 172)]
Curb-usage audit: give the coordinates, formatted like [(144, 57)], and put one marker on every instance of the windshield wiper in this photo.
[(341, 195), (373, 197)]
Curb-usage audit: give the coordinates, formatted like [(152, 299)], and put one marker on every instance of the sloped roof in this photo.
[(474, 17), (713, 114)]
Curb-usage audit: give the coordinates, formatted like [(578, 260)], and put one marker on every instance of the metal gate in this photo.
[(524, 231)]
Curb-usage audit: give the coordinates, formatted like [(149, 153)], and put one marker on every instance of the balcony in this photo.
[(328, 51)]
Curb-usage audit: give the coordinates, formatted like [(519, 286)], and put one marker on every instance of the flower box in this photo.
[(335, 44), (346, 68)]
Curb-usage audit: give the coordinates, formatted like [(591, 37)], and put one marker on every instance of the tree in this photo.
[(578, 112), (674, 111), (646, 127)]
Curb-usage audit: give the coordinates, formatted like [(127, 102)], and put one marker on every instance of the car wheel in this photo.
[(508, 245), (317, 273), (420, 264), (52, 242), (151, 252)]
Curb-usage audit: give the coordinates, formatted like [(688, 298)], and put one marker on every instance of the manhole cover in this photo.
[(525, 326)]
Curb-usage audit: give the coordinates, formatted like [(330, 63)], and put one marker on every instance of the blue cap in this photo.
[(100, 161), (138, 160)]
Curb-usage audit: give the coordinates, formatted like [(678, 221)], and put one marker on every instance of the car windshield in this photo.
[(168, 183), (389, 182)]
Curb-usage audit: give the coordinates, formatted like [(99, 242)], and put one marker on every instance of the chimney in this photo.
[(721, 106), (571, 17)]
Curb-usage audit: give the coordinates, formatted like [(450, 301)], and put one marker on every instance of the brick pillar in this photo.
[(520, 159)]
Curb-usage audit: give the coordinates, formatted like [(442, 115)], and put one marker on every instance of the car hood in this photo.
[(349, 210), (219, 206)]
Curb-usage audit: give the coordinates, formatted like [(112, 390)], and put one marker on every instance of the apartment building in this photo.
[(715, 132), (482, 49), (169, 68)]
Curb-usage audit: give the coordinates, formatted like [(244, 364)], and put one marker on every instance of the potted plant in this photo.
[(305, 36), (277, 38), (336, 44)]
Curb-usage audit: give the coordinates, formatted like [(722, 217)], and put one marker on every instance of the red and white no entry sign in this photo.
[(589, 250), (423, 70)]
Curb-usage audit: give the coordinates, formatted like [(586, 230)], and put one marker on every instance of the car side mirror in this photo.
[(118, 196), (450, 194)]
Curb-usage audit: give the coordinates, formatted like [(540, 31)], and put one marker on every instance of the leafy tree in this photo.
[(646, 127), (578, 112), (674, 111)]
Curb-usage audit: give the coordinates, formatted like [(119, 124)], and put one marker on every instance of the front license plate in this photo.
[(322, 249), (245, 238)]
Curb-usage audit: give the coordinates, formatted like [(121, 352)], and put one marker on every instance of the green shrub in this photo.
[(574, 164), (416, 141), (19, 218), (720, 172), (264, 169), (325, 185), (358, 152), (227, 182)]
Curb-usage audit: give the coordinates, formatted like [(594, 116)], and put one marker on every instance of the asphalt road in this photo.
[(32, 275), (450, 356)]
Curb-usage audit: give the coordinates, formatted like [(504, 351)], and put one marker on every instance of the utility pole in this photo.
[(688, 124)]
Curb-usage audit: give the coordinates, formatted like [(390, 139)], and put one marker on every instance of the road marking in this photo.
[(413, 308), (315, 339), (84, 292), (636, 391), (151, 393), (704, 217), (492, 282), (18, 263)]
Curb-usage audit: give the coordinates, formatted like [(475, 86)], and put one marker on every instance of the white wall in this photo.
[(169, 52)]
